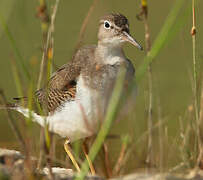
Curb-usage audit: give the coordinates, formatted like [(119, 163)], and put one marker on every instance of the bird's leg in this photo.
[(85, 150), (68, 151)]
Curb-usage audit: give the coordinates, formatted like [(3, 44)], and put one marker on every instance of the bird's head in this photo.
[(114, 31)]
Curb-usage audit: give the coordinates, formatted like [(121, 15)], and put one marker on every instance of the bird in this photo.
[(81, 89)]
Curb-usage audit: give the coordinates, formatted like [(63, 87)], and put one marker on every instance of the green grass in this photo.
[(172, 25), (179, 142)]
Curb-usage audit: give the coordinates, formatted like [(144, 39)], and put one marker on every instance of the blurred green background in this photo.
[(172, 68)]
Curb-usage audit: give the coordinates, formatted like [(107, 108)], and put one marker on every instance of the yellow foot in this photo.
[(84, 147), (68, 151)]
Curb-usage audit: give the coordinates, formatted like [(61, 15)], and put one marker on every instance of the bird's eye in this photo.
[(107, 24)]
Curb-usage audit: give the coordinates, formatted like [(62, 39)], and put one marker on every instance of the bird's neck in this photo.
[(109, 53)]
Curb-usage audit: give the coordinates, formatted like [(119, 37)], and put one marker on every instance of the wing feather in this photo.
[(62, 84)]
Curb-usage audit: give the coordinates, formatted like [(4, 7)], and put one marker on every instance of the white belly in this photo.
[(76, 119), (79, 118)]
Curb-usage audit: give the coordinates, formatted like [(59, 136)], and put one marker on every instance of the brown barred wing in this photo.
[(52, 99)]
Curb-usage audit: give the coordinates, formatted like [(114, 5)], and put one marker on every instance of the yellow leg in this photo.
[(84, 147), (68, 151)]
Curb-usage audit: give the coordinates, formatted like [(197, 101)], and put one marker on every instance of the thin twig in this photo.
[(47, 55), (141, 139), (50, 38), (144, 13), (44, 17), (86, 151), (119, 162), (49, 44), (107, 161), (150, 123), (160, 129), (201, 106), (200, 124), (200, 158), (195, 93)]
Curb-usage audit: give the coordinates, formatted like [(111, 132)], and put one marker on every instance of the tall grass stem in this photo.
[(144, 12), (110, 116)]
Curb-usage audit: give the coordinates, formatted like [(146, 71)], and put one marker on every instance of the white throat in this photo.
[(110, 54)]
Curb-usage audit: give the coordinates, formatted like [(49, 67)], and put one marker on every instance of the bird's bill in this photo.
[(130, 39)]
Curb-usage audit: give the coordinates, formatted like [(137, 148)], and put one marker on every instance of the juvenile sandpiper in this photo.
[(80, 90)]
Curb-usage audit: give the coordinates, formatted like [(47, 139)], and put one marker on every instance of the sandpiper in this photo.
[(80, 90)]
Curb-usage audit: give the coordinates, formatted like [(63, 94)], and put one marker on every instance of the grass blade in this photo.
[(110, 116), (6, 8), (168, 30)]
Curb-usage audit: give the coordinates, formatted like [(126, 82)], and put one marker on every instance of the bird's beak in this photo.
[(130, 39)]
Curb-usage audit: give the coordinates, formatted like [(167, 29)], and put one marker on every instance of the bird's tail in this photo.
[(19, 101), (9, 106), (25, 111)]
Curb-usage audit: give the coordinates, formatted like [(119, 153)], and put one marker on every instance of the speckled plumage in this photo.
[(119, 20), (78, 92), (61, 88)]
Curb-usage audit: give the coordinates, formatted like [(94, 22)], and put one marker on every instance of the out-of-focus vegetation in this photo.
[(173, 112)]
